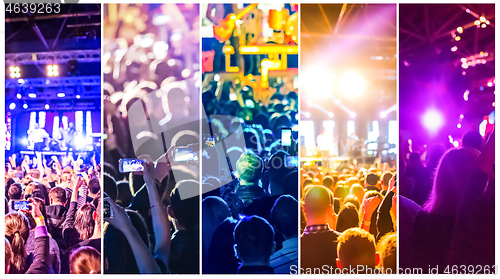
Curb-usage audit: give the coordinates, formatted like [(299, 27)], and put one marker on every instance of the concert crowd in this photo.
[(349, 218), (150, 226), (250, 176), (53, 215), (447, 204)]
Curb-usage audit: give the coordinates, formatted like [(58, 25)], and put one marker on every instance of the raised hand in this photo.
[(36, 207), (149, 174), (120, 219)]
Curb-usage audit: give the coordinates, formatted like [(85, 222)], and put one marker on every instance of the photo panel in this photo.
[(249, 138), (152, 132), (348, 136), (447, 149), (53, 138)]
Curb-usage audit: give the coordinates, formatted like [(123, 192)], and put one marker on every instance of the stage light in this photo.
[(482, 19), (307, 114), (88, 129), (338, 102), (432, 120), (47, 106), (459, 125), (461, 116), (383, 114), (352, 84), (454, 48), (463, 60), (249, 103), (12, 106), (467, 10), (393, 137), (465, 65), (32, 95), (53, 70), (483, 25), (25, 106), (353, 115), (24, 141), (493, 104), (80, 143), (19, 96), (466, 95), (186, 73), (477, 22), (482, 127), (61, 95), (455, 143), (310, 103), (15, 72), (460, 29), (457, 38), (318, 81), (490, 84), (330, 114), (78, 96), (481, 88), (351, 128)]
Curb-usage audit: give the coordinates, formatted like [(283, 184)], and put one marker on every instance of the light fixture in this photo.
[(53, 70)]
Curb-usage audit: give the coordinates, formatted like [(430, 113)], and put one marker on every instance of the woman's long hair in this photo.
[(17, 232), (450, 178), (84, 221), (85, 260)]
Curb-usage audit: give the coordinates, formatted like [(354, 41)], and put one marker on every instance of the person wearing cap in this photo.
[(371, 182)]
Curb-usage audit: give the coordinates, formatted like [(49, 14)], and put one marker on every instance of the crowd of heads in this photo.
[(151, 76), (250, 192), (68, 191), (446, 192), (349, 214)]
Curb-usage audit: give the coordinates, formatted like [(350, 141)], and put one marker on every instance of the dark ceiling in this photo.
[(75, 27), (430, 71)]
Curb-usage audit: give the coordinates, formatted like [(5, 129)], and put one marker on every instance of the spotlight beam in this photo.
[(40, 35), (60, 29), (350, 112), (322, 109), (389, 110)]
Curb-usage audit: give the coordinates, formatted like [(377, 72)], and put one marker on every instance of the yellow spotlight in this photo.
[(15, 72), (460, 30), (482, 19), (352, 84), (457, 38), (53, 70)]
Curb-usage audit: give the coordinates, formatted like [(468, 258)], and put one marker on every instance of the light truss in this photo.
[(53, 82), (53, 57)]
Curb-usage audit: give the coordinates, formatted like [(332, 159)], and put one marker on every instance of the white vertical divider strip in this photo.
[(298, 140), (200, 109), (102, 140), (2, 114), (397, 119)]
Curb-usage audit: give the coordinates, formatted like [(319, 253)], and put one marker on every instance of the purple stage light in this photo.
[(432, 120)]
